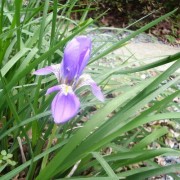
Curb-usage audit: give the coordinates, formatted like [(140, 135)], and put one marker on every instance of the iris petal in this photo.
[(86, 80), (97, 91), (70, 60), (83, 61), (44, 71), (64, 107), (53, 89), (85, 49), (76, 56), (55, 69)]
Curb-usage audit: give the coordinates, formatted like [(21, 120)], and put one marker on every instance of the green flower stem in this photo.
[(52, 136)]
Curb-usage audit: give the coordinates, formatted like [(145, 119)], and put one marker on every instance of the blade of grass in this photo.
[(155, 172), (130, 157), (43, 22), (150, 138), (105, 165), (5, 132), (18, 4), (54, 19), (13, 60), (160, 62), (1, 28)]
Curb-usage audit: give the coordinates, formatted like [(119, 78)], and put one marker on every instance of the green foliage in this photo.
[(6, 160), (33, 35)]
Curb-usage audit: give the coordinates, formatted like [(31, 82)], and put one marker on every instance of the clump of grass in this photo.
[(34, 35)]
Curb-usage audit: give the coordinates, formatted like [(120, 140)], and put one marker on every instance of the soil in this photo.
[(123, 14)]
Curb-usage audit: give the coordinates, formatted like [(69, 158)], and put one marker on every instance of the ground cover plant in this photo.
[(106, 139)]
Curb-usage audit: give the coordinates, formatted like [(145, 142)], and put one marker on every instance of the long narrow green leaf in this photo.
[(2, 167), (22, 123), (155, 172), (18, 4), (43, 22), (131, 157), (135, 171), (105, 165), (54, 19), (13, 61), (160, 62), (151, 138)]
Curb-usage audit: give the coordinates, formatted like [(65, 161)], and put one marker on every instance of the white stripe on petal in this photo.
[(55, 69), (86, 80)]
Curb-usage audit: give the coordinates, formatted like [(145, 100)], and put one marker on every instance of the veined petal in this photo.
[(53, 89), (44, 71), (85, 49), (65, 105), (86, 80), (84, 60), (48, 70), (76, 56), (96, 90)]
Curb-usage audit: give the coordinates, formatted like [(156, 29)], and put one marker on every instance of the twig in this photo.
[(21, 149)]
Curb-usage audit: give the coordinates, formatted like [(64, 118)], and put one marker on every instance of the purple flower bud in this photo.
[(76, 57)]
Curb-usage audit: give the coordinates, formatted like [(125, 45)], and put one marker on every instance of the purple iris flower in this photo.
[(66, 104)]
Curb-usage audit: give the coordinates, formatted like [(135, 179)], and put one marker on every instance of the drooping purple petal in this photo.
[(76, 56), (48, 70), (65, 106), (86, 80), (97, 91), (53, 89), (44, 71)]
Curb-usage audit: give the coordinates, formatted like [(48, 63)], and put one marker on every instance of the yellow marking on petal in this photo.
[(66, 89)]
